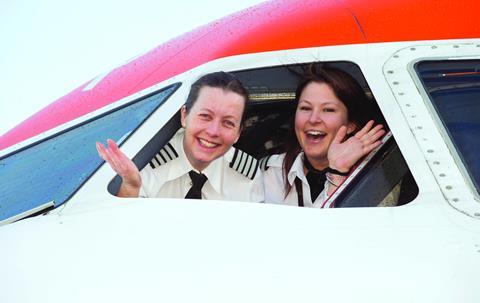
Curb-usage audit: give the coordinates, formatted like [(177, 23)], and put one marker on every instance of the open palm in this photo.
[(120, 163), (342, 155)]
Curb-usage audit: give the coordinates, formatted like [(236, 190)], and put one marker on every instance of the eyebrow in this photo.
[(211, 112), (323, 103)]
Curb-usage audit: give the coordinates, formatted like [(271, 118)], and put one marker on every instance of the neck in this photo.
[(198, 165), (316, 164)]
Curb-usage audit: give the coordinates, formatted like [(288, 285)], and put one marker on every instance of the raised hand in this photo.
[(123, 166), (342, 155)]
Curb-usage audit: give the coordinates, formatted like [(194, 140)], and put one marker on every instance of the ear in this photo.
[(238, 137), (240, 130), (183, 116), (351, 127)]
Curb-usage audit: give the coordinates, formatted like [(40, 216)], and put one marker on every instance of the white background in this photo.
[(50, 47)]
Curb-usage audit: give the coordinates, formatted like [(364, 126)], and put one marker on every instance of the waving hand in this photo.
[(342, 155)]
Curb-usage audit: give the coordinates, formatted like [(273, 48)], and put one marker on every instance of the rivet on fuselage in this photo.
[(412, 48), (442, 175), (449, 187), (430, 151)]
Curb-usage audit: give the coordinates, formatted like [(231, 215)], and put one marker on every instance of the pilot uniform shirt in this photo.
[(275, 188), (234, 176)]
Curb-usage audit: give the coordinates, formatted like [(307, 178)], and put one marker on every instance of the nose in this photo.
[(213, 128), (315, 117)]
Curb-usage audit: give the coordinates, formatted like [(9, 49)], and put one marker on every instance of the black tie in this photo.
[(198, 180), (316, 179)]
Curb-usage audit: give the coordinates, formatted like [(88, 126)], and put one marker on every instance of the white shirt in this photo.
[(275, 188), (167, 175)]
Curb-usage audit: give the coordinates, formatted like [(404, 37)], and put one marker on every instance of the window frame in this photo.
[(65, 129), (442, 164), (438, 120), (441, 124)]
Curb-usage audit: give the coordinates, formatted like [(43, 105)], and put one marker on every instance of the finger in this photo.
[(340, 135), (371, 147), (100, 149), (364, 130), (377, 135), (376, 129), (123, 164)]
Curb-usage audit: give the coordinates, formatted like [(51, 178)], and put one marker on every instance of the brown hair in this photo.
[(223, 80), (346, 89)]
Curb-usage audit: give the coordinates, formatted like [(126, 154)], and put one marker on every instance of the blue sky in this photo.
[(50, 47)]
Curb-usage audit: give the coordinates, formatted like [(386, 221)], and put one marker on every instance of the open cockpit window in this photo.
[(454, 90), (382, 180), (47, 173)]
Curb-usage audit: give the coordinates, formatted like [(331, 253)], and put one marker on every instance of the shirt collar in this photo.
[(181, 165), (297, 169)]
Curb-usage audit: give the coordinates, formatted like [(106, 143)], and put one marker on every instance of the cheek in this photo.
[(230, 136), (300, 120), (334, 122)]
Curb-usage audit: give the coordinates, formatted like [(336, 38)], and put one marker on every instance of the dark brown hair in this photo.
[(346, 89), (223, 80)]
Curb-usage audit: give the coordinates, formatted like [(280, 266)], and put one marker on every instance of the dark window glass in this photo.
[(52, 170), (454, 89)]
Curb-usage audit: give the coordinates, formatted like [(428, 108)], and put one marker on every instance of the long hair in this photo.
[(346, 89)]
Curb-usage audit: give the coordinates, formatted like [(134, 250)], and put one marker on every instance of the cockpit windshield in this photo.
[(47, 173)]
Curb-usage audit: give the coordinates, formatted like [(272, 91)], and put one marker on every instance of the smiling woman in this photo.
[(200, 155)]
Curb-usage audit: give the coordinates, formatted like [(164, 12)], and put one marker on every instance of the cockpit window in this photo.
[(384, 181), (47, 173), (454, 90)]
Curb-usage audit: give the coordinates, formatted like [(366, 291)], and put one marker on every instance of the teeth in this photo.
[(315, 133), (207, 143)]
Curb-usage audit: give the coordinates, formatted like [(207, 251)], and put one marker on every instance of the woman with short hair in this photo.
[(199, 162)]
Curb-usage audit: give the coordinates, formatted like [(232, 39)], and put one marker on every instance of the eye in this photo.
[(304, 108), (204, 116), (329, 109), (229, 123)]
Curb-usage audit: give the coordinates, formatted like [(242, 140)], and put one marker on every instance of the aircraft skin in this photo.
[(96, 247)]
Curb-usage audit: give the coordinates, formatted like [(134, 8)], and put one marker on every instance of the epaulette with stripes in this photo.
[(244, 164), (166, 154), (264, 163)]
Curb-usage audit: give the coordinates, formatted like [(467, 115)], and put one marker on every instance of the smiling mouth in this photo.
[(315, 134), (207, 144)]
